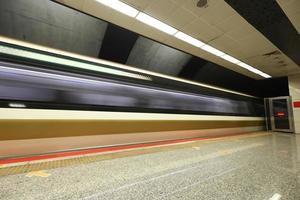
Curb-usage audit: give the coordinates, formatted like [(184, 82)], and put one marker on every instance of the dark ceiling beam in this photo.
[(191, 68), (117, 44), (268, 18)]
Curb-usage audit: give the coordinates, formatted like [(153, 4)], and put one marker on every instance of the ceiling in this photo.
[(218, 24), (292, 9)]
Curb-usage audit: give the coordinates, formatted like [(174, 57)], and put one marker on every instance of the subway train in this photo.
[(54, 101)]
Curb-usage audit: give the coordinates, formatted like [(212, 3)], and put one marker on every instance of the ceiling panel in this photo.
[(226, 44), (139, 4), (161, 9), (268, 18), (217, 12), (217, 24), (186, 17), (199, 12), (202, 30)]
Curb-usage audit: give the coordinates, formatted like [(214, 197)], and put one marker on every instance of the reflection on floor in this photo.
[(254, 166)]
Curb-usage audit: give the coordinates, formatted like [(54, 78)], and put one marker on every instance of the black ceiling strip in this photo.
[(117, 44), (191, 68), (268, 18), (213, 74)]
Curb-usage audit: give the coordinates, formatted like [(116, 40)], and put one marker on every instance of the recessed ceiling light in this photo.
[(244, 65), (120, 6), (265, 75), (212, 50), (156, 23), (254, 70), (230, 59), (184, 37)]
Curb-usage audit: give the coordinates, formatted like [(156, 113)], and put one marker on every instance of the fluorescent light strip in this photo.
[(151, 21), (250, 68), (244, 65), (120, 6), (156, 23), (186, 38), (212, 50), (233, 60), (67, 62), (254, 70), (230, 59), (265, 75)]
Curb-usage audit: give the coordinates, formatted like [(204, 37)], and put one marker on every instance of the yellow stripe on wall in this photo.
[(14, 129)]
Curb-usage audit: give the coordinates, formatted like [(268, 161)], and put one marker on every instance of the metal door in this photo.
[(279, 114)]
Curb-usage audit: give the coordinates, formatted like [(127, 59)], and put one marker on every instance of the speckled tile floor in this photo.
[(234, 168)]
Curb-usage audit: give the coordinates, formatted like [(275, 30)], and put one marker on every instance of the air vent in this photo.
[(202, 4)]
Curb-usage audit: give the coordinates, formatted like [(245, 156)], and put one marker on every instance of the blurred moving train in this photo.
[(57, 101), (24, 83)]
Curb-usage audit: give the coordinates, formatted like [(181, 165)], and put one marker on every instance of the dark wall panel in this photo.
[(191, 68), (47, 23), (272, 87), (117, 44), (153, 56)]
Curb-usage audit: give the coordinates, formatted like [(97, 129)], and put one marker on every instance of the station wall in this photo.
[(50, 24), (294, 87)]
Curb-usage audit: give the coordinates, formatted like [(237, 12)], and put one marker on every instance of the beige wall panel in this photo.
[(294, 87), (33, 129)]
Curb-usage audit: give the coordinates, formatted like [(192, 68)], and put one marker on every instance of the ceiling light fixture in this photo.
[(186, 38), (254, 70), (120, 6), (156, 23), (248, 67), (212, 50), (230, 59), (265, 75), (244, 65), (151, 21)]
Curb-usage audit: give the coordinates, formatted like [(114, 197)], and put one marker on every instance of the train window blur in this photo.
[(52, 87)]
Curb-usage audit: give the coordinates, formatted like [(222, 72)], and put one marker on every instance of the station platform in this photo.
[(259, 165)]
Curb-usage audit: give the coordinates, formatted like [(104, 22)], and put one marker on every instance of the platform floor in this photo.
[(253, 166)]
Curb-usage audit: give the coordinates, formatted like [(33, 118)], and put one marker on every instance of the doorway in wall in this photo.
[(279, 114)]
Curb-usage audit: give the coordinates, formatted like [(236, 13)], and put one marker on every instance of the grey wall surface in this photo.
[(47, 23), (153, 56)]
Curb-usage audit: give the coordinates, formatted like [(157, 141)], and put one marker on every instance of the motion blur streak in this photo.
[(55, 53), (68, 111), (69, 63), (29, 84)]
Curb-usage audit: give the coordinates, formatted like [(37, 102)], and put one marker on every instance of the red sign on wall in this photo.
[(296, 104)]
